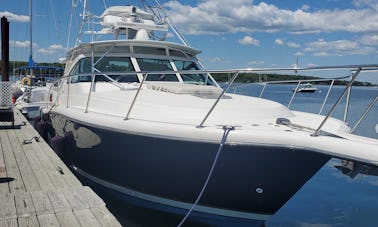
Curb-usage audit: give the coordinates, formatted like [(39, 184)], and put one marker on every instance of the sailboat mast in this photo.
[(31, 62)]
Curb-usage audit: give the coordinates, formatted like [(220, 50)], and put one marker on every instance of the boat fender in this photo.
[(40, 127), (17, 93), (36, 120), (57, 144), (26, 81)]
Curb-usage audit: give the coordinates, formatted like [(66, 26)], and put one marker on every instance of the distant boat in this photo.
[(308, 88), (30, 92)]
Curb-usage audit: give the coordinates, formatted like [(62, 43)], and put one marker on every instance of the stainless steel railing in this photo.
[(353, 69)]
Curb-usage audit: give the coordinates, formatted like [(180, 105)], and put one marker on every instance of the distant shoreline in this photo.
[(243, 78)]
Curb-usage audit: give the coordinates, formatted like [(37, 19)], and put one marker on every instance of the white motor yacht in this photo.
[(141, 117)]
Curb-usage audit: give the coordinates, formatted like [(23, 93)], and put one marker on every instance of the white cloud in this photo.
[(299, 53), (311, 65), (322, 47), (52, 49), (256, 63), (371, 39), (218, 60), (292, 44), (219, 16), (170, 35), (14, 17), (321, 54), (21, 44), (248, 40), (370, 3), (279, 41), (305, 7), (56, 47)]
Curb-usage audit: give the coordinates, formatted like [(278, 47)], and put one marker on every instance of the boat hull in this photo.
[(248, 182)]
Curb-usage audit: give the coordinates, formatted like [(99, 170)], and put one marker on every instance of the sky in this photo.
[(230, 34)]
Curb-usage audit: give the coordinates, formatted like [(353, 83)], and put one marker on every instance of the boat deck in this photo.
[(37, 188)]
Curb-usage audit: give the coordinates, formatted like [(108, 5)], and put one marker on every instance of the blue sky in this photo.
[(231, 34)]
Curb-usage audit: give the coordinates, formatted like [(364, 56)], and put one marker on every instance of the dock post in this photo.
[(4, 49)]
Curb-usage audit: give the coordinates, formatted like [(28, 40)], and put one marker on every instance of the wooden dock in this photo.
[(36, 187)]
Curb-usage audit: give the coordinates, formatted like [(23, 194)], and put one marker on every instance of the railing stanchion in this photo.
[(326, 98), (93, 79), (316, 133), (68, 90), (135, 97), (294, 93), (220, 96), (263, 89), (364, 114), (347, 103)]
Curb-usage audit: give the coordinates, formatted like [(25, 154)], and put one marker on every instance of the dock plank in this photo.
[(67, 219), (55, 163), (48, 220), (4, 187), (24, 204), (75, 199), (58, 201), (11, 164), (41, 203), (30, 221), (8, 207), (104, 217), (36, 164), (45, 163), (90, 197), (29, 179), (9, 223), (86, 218), (37, 189)]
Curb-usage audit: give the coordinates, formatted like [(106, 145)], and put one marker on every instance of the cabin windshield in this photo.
[(192, 78), (147, 65), (117, 68)]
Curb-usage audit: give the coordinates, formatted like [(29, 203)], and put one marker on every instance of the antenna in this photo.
[(173, 26), (83, 19)]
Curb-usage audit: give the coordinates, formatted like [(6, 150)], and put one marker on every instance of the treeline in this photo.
[(264, 77), (225, 77), (17, 64)]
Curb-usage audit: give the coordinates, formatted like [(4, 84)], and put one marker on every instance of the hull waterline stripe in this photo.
[(173, 203)]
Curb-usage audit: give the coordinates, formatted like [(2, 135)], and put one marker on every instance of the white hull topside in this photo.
[(161, 113)]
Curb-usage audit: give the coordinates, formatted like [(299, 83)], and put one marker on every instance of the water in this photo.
[(330, 198), (327, 199)]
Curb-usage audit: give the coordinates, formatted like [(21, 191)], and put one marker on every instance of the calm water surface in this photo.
[(330, 198)]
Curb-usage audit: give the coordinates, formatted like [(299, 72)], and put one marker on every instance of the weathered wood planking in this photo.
[(55, 165), (37, 189)]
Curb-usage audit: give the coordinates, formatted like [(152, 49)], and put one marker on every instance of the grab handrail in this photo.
[(135, 97), (316, 133), (365, 113), (236, 73), (219, 97)]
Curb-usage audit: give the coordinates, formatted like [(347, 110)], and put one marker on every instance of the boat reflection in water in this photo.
[(141, 117)]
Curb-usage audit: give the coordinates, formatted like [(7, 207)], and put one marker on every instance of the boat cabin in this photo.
[(125, 61)]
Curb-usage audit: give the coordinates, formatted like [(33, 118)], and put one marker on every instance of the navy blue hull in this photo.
[(246, 179)]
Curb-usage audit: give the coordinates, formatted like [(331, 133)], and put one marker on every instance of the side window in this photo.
[(74, 73)]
